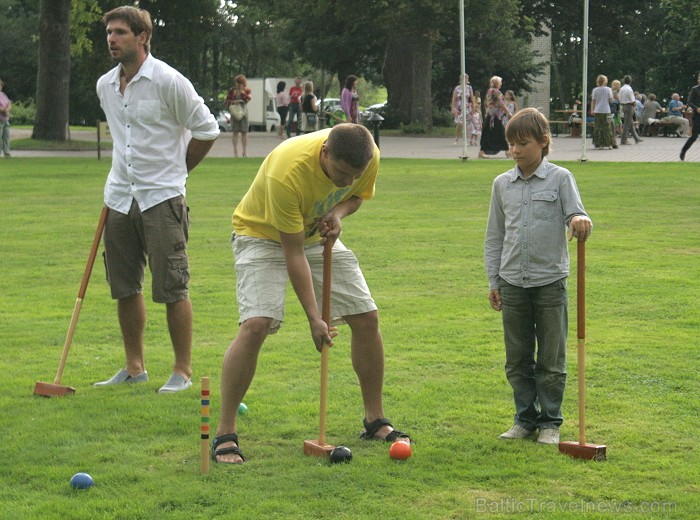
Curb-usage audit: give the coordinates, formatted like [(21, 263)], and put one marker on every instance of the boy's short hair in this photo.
[(529, 123), (138, 20), (351, 143)]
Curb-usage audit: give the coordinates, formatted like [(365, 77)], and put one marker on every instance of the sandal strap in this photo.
[(227, 437), (371, 428), (395, 435), (233, 450)]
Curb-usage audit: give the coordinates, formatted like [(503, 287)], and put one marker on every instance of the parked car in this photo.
[(224, 120), (329, 104), (377, 108)]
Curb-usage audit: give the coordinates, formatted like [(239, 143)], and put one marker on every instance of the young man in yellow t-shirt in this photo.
[(302, 191)]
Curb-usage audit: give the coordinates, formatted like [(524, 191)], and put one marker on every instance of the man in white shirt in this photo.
[(161, 130), (628, 104)]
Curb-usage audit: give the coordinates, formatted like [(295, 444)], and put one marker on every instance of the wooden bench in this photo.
[(653, 129)]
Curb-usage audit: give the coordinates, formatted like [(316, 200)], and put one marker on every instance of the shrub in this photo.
[(22, 113)]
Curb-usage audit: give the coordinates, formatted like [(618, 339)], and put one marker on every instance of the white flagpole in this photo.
[(584, 99), (462, 54)]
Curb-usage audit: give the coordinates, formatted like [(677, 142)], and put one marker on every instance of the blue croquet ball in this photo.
[(81, 481), (340, 454), (242, 409)]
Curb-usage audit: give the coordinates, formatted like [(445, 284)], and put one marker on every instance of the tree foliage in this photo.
[(410, 46)]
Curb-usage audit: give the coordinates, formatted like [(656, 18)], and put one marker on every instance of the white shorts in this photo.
[(261, 283)]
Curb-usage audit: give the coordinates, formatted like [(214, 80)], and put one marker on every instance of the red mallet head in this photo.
[(400, 450)]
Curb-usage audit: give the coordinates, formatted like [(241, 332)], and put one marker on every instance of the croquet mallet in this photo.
[(56, 389), (581, 449), (319, 448)]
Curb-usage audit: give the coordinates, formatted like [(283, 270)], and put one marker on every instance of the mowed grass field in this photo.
[(420, 242)]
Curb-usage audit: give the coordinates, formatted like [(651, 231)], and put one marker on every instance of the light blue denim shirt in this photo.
[(526, 234)]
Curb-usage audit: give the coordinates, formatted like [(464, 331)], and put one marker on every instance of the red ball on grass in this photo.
[(400, 450)]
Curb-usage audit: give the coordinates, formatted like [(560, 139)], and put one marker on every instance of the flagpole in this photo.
[(584, 99), (462, 54)]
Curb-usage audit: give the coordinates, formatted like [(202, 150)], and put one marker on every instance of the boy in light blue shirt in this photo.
[(527, 263)]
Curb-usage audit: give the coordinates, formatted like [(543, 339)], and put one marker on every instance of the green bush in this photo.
[(442, 117), (413, 128), (23, 112)]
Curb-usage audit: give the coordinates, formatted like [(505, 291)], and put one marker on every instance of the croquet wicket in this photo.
[(204, 428)]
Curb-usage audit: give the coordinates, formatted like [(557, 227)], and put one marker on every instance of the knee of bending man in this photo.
[(257, 328)]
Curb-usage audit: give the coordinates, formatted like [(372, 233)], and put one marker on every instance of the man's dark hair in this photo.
[(138, 20), (627, 79), (351, 143)]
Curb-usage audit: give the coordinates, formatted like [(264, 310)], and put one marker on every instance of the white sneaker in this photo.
[(175, 383), (517, 432), (548, 436), (123, 377)]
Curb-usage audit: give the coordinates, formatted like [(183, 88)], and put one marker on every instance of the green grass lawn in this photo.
[(420, 242)]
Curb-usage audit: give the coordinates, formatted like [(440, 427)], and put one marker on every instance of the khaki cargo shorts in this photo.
[(158, 235), (262, 280)]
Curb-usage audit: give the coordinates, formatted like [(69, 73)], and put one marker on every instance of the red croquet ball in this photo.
[(400, 450)]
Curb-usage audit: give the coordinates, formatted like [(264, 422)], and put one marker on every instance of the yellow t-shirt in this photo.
[(290, 192)]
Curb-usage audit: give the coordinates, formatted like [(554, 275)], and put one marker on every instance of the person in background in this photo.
[(628, 104), (294, 113), (309, 109), (161, 130), (675, 115), (511, 103), (476, 121), (349, 100), (527, 273), (493, 139), (282, 102), (458, 102), (238, 98), (601, 99), (649, 113), (615, 108), (694, 104), (5, 106), (303, 192)]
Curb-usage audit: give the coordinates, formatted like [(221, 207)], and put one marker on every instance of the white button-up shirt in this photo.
[(626, 95), (151, 125)]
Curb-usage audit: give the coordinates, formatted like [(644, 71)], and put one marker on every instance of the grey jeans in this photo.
[(535, 326), (628, 113)]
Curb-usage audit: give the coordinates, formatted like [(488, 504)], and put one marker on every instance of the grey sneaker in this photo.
[(517, 432), (548, 436), (175, 383), (123, 377)]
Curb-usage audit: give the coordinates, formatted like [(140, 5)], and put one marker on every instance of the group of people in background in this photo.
[(297, 108), (618, 110), (487, 128)]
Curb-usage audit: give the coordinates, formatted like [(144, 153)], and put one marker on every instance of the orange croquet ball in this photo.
[(400, 450)]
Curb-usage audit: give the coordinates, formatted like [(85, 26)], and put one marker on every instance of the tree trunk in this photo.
[(407, 71), (53, 76)]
